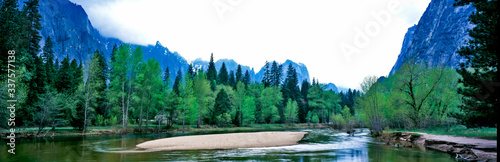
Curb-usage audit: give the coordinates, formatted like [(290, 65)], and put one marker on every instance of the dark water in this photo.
[(318, 145)]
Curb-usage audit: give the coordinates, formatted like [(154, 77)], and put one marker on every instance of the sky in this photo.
[(340, 42)]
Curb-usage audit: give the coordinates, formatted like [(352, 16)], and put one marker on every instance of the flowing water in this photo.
[(318, 145)]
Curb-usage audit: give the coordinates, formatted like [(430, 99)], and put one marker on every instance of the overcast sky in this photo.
[(339, 41)]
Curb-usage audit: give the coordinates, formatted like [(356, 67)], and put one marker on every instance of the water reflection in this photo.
[(318, 145)]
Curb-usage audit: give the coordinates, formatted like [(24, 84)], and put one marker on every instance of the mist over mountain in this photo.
[(441, 31)]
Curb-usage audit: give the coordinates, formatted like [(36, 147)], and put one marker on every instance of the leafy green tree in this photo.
[(372, 104), (201, 87), (317, 101), (189, 105), (155, 93), (270, 98), (119, 80), (223, 77), (248, 110), (480, 74), (348, 118), (291, 111)]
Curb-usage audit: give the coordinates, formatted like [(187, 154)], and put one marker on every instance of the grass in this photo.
[(459, 130)]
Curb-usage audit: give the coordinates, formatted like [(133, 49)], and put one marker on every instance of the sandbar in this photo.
[(224, 141)]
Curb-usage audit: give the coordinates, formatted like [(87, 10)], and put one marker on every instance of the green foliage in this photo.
[(270, 98), (212, 72), (223, 119), (480, 74), (201, 88), (222, 105), (223, 77), (291, 111), (248, 110), (99, 121), (113, 120)]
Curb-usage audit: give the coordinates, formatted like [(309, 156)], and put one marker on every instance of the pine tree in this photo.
[(223, 77), (65, 77), (303, 106), (222, 105), (166, 80), (177, 81), (481, 77), (212, 73), (92, 85), (232, 80), (246, 79), (191, 71), (102, 78), (77, 72), (266, 79), (34, 26), (48, 58), (239, 74), (10, 32)]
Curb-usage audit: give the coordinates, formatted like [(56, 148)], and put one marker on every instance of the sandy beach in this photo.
[(224, 141)]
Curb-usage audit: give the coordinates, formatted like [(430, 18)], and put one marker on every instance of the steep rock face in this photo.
[(331, 86), (173, 60), (70, 30), (73, 35), (441, 31)]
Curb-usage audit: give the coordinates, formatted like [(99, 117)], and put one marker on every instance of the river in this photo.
[(318, 145)]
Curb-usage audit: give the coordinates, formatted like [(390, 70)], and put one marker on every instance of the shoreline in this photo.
[(462, 148), (28, 134), (224, 141)]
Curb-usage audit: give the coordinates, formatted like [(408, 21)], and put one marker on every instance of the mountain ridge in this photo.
[(440, 32)]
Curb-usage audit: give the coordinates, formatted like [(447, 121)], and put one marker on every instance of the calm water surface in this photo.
[(318, 145)]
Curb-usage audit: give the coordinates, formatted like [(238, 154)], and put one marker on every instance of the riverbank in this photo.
[(462, 148), (116, 130), (224, 141)]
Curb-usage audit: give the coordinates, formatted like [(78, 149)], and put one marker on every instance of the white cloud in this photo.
[(252, 32)]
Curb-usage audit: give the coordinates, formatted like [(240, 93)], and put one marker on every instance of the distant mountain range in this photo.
[(74, 36), (441, 30)]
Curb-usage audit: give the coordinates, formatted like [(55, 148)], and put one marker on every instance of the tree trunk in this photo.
[(183, 118), (123, 107), (85, 112), (126, 108), (147, 117), (198, 122), (140, 114)]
